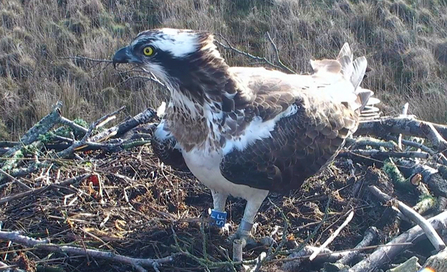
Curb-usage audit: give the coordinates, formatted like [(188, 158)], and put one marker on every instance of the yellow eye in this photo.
[(148, 50)]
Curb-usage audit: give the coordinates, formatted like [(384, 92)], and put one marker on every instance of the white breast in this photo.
[(205, 166)]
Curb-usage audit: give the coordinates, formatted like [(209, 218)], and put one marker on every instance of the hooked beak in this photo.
[(121, 56)]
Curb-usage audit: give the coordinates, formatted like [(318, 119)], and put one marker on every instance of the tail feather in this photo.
[(352, 70)]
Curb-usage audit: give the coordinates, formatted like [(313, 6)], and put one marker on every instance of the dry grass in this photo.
[(404, 41)]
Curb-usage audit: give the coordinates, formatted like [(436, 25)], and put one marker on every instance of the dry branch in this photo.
[(431, 233), (386, 253), (370, 235), (143, 117), (40, 190), (137, 263), (333, 236), (398, 125)]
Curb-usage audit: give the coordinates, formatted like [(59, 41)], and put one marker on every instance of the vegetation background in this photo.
[(405, 43)]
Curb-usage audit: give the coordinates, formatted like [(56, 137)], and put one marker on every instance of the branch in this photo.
[(386, 253), (79, 145), (383, 126), (137, 263), (40, 190), (228, 46), (278, 59), (41, 127), (370, 235), (333, 236), (431, 233), (142, 118)]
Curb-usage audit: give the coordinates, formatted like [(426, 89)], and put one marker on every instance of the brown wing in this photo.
[(299, 146), (327, 104)]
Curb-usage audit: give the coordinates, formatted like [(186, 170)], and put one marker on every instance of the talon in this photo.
[(246, 238)]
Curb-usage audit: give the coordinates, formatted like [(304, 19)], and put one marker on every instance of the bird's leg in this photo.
[(218, 214), (254, 202)]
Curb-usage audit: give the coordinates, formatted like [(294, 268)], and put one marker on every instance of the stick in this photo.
[(79, 145), (278, 59), (45, 188), (143, 117), (368, 141), (409, 126), (137, 263), (386, 253), (333, 236), (431, 233), (370, 235), (385, 154), (228, 46)]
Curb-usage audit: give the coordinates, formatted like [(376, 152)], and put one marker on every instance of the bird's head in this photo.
[(177, 57)]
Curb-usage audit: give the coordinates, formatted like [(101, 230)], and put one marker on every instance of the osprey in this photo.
[(245, 131)]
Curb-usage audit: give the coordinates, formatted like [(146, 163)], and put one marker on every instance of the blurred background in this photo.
[(405, 43)]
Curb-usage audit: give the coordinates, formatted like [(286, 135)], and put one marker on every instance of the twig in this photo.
[(409, 126), (137, 263), (433, 135), (228, 46), (278, 59), (431, 233), (386, 154), (386, 253), (314, 232), (404, 114), (43, 189), (368, 141), (333, 236), (143, 117), (78, 145), (89, 59)]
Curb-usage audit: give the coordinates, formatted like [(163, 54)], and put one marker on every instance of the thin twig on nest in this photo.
[(137, 263)]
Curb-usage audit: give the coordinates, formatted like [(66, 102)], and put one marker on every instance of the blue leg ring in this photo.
[(218, 218)]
